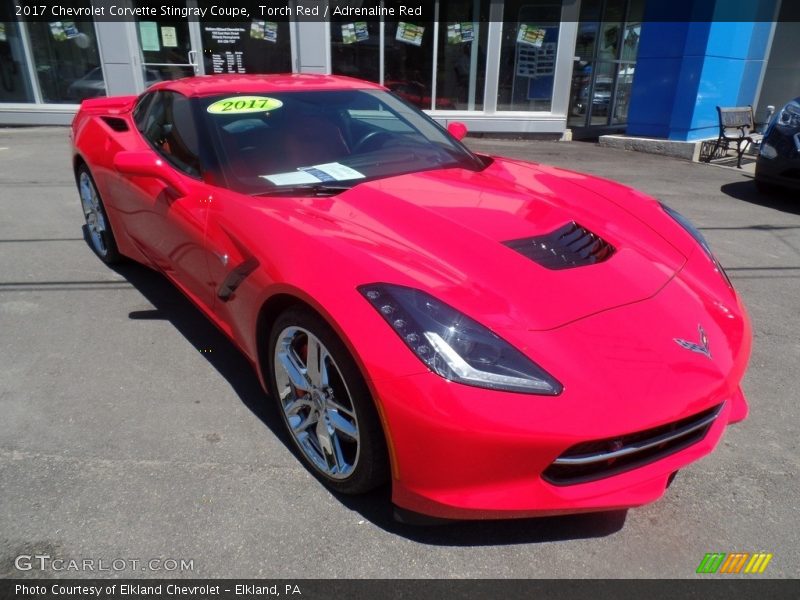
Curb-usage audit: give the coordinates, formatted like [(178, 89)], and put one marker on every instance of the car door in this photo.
[(169, 227)]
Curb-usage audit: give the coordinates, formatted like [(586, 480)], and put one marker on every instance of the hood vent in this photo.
[(566, 247)]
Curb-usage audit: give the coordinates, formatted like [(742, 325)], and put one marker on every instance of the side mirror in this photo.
[(147, 164), (457, 129)]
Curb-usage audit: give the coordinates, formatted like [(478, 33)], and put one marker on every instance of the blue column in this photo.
[(686, 69)]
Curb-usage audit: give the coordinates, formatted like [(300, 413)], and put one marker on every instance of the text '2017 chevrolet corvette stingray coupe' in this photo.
[(496, 338)]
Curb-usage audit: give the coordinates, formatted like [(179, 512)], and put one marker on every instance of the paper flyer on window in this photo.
[(460, 33), (169, 37), (531, 35), (270, 32), (63, 30), (354, 32), (409, 33), (148, 32)]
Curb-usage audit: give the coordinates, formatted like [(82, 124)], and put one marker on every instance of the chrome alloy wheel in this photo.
[(93, 212), (316, 403)]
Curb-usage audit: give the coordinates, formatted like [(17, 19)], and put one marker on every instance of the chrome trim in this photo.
[(587, 459)]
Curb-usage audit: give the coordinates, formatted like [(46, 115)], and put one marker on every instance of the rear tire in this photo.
[(97, 230), (325, 403)]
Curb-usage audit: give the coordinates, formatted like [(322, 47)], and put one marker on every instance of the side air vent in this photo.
[(566, 247), (115, 123)]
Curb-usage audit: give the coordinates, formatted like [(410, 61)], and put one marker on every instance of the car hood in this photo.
[(445, 231)]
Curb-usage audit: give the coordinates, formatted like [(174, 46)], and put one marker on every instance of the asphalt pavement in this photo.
[(131, 429)]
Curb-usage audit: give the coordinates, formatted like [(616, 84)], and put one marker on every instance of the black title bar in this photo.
[(237, 11)]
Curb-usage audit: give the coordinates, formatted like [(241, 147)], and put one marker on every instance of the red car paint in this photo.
[(605, 331)]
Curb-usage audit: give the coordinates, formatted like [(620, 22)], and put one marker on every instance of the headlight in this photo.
[(789, 115), (695, 233), (453, 345)]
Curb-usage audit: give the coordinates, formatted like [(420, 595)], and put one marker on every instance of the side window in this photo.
[(140, 112), (170, 129)]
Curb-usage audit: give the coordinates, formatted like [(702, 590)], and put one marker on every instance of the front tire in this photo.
[(325, 403), (98, 227)]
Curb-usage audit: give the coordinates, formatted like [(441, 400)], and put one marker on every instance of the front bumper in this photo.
[(460, 452), (780, 171), (783, 169), (458, 473)]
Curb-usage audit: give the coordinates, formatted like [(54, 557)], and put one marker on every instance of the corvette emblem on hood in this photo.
[(701, 348)]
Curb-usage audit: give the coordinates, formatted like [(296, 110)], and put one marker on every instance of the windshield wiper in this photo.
[(308, 189)]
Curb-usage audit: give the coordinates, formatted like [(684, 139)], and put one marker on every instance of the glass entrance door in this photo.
[(169, 48), (605, 63)]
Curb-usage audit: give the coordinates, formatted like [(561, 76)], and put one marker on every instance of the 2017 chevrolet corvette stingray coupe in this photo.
[(497, 338)]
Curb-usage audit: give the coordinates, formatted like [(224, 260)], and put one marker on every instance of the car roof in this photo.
[(210, 85)]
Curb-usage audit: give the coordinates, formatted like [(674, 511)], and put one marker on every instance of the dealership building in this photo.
[(502, 66)]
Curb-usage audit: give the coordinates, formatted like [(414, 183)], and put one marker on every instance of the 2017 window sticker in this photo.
[(244, 104)]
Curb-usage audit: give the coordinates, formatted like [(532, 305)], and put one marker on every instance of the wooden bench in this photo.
[(736, 126)]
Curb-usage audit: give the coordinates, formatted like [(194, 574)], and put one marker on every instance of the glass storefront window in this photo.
[(611, 30), (408, 58), (408, 53), (461, 59), (623, 95), (602, 92), (528, 55), (587, 30), (66, 60), (253, 46), (355, 49), (627, 67), (15, 85)]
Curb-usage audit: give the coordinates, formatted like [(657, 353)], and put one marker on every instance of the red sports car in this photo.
[(497, 338)]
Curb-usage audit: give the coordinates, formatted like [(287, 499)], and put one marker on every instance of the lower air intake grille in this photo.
[(566, 247), (589, 461)]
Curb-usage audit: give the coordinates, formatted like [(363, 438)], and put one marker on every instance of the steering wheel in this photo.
[(372, 138)]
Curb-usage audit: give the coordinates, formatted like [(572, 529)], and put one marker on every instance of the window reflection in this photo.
[(461, 58), (355, 49), (15, 85), (66, 61), (528, 55), (408, 56)]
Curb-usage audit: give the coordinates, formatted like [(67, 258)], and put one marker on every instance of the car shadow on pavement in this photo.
[(171, 305), (376, 507), (779, 199)]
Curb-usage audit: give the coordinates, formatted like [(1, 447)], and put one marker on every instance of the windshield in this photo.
[(275, 143)]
